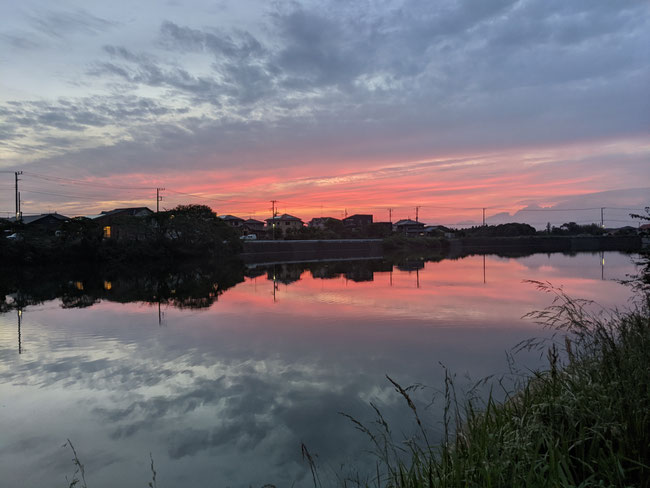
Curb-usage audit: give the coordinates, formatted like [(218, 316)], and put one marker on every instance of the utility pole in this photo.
[(602, 220), (18, 216), (390, 215), (273, 214), (158, 198), (20, 342), (484, 216), (417, 211)]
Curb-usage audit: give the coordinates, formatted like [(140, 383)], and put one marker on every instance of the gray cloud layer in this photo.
[(352, 81)]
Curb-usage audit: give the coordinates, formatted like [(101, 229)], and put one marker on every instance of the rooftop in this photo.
[(284, 217)]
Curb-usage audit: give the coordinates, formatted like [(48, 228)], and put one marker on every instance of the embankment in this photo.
[(287, 251), (534, 244)]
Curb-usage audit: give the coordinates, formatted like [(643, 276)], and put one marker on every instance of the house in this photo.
[(113, 228), (48, 221), (232, 221), (438, 231), (357, 221), (322, 222), (253, 226), (280, 224), (409, 227)]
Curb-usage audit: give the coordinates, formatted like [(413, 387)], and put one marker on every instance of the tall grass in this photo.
[(583, 422)]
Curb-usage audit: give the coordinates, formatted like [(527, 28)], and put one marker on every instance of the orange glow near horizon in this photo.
[(448, 189)]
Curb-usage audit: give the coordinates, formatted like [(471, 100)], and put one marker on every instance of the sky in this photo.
[(329, 107)]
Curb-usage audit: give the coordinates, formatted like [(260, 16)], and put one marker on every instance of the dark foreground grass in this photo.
[(584, 422)]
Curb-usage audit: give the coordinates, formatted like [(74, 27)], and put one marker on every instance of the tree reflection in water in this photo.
[(181, 285), (190, 285)]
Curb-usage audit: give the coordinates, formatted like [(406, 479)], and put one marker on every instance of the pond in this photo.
[(223, 380)]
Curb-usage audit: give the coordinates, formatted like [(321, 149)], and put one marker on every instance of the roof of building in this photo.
[(408, 222), (318, 219), (356, 216), (30, 219), (126, 211), (230, 217), (253, 221), (437, 227), (284, 217)]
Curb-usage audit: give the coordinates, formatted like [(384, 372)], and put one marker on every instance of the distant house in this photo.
[(438, 230), (283, 223), (321, 222), (409, 227), (253, 226), (232, 221), (48, 221), (357, 221), (111, 225)]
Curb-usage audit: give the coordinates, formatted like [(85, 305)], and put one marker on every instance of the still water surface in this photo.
[(225, 394)]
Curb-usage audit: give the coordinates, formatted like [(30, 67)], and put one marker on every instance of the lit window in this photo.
[(108, 285), (107, 232)]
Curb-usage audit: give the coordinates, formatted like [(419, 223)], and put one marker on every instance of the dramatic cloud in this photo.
[(330, 88)]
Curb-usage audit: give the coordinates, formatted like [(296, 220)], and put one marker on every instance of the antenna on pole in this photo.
[(417, 212), (158, 198), (390, 215)]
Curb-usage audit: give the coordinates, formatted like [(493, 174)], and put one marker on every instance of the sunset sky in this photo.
[(328, 106)]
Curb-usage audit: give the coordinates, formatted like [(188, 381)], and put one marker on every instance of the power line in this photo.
[(72, 181), (39, 185), (220, 200), (292, 204), (77, 197)]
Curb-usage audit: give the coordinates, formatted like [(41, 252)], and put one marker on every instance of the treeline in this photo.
[(187, 231), (516, 229)]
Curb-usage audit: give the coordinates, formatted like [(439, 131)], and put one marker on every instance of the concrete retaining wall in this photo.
[(275, 251), (546, 244)]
